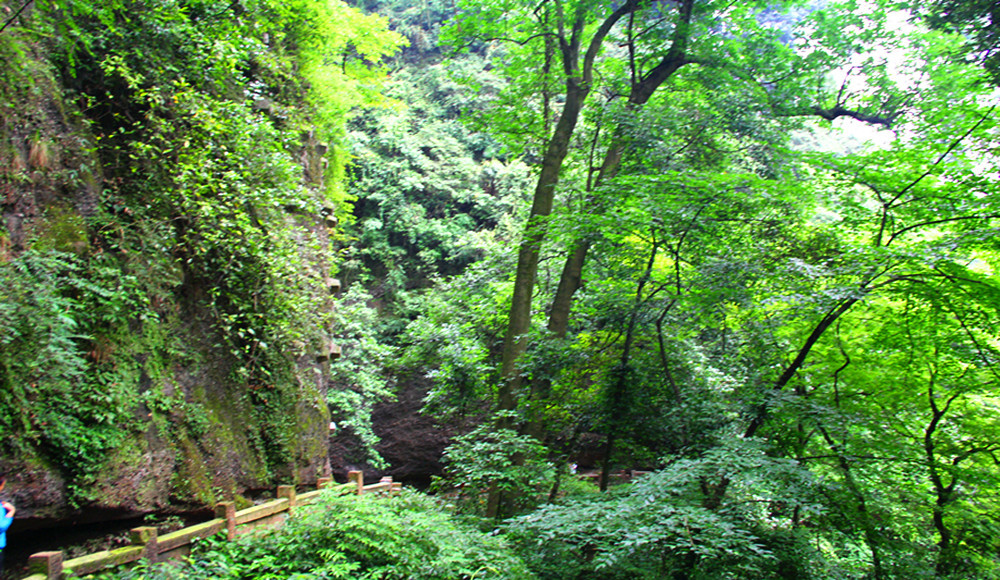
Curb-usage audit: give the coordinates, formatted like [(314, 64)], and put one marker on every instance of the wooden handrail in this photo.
[(259, 512), (146, 544)]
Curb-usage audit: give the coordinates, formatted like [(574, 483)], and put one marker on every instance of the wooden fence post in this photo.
[(147, 538), (47, 563), (358, 478), (287, 492), (323, 482), (226, 510)]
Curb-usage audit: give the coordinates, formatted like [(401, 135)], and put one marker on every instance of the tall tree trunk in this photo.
[(641, 91), (579, 80), (609, 450), (620, 384), (519, 320), (639, 94)]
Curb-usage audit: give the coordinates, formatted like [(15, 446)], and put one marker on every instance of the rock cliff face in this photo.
[(133, 374), (410, 443)]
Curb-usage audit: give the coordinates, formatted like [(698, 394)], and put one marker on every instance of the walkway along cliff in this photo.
[(148, 546)]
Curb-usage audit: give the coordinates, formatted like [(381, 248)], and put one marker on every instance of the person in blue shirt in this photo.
[(5, 521)]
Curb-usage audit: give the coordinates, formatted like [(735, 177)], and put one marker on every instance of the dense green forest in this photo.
[(691, 288)]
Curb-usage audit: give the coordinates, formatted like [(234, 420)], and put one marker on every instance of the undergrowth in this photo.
[(366, 537)]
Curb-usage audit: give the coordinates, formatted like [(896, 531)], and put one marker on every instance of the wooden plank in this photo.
[(47, 564), (178, 552), (226, 511), (94, 562), (271, 521), (358, 479), (261, 511), (179, 538), (311, 496), (380, 486)]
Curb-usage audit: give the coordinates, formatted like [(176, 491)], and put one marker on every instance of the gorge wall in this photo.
[(164, 264)]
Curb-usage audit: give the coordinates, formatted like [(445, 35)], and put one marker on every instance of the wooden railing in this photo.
[(147, 545)]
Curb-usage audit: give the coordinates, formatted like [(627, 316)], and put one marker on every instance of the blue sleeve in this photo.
[(4, 524)]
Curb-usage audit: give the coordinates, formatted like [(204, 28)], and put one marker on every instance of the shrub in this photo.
[(410, 536)]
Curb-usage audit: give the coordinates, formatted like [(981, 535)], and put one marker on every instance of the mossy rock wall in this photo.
[(136, 373)]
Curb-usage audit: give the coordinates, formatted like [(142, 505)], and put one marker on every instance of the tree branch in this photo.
[(14, 17), (800, 358), (838, 111), (941, 157), (902, 231)]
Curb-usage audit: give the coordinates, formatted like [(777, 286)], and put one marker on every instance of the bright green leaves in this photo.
[(74, 18), (339, 51), (830, 62), (659, 526), (976, 21), (427, 190), (57, 317), (230, 191), (898, 389), (482, 462), (839, 305), (507, 19), (346, 536), (361, 377), (904, 391), (456, 333)]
